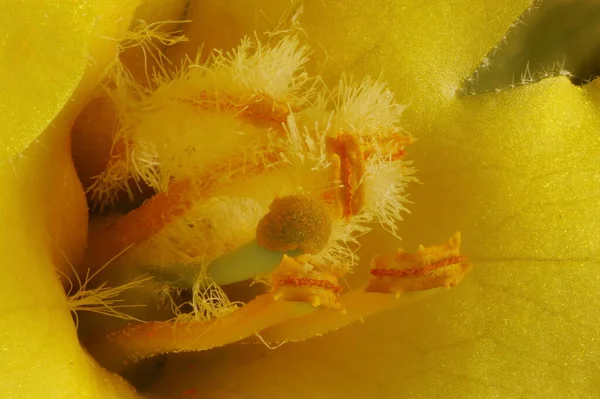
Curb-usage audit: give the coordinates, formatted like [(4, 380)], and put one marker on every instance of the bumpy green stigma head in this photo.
[(295, 222)]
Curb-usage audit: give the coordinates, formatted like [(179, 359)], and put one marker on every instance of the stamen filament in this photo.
[(143, 340), (138, 225)]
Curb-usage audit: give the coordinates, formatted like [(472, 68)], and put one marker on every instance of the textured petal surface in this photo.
[(41, 356), (47, 51), (43, 211)]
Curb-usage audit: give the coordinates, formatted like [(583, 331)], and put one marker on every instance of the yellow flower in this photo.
[(513, 171)]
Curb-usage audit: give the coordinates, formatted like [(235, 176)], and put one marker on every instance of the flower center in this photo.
[(255, 178)]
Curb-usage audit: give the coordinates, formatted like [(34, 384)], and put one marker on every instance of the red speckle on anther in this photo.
[(352, 170), (417, 271), (310, 282)]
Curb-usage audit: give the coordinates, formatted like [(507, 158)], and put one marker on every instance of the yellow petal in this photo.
[(41, 220), (517, 173), (43, 212), (48, 50)]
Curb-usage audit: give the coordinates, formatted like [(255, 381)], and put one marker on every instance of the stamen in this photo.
[(436, 266), (347, 152), (298, 279), (382, 293)]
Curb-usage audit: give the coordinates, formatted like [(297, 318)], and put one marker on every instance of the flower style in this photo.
[(512, 171)]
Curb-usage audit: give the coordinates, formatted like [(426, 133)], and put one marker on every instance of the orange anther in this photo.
[(432, 267), (347, 148), (304, 282)]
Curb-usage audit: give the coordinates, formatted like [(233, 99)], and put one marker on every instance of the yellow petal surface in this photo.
[(41, 356), (46, 49), (517, 173), (53, 54)]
